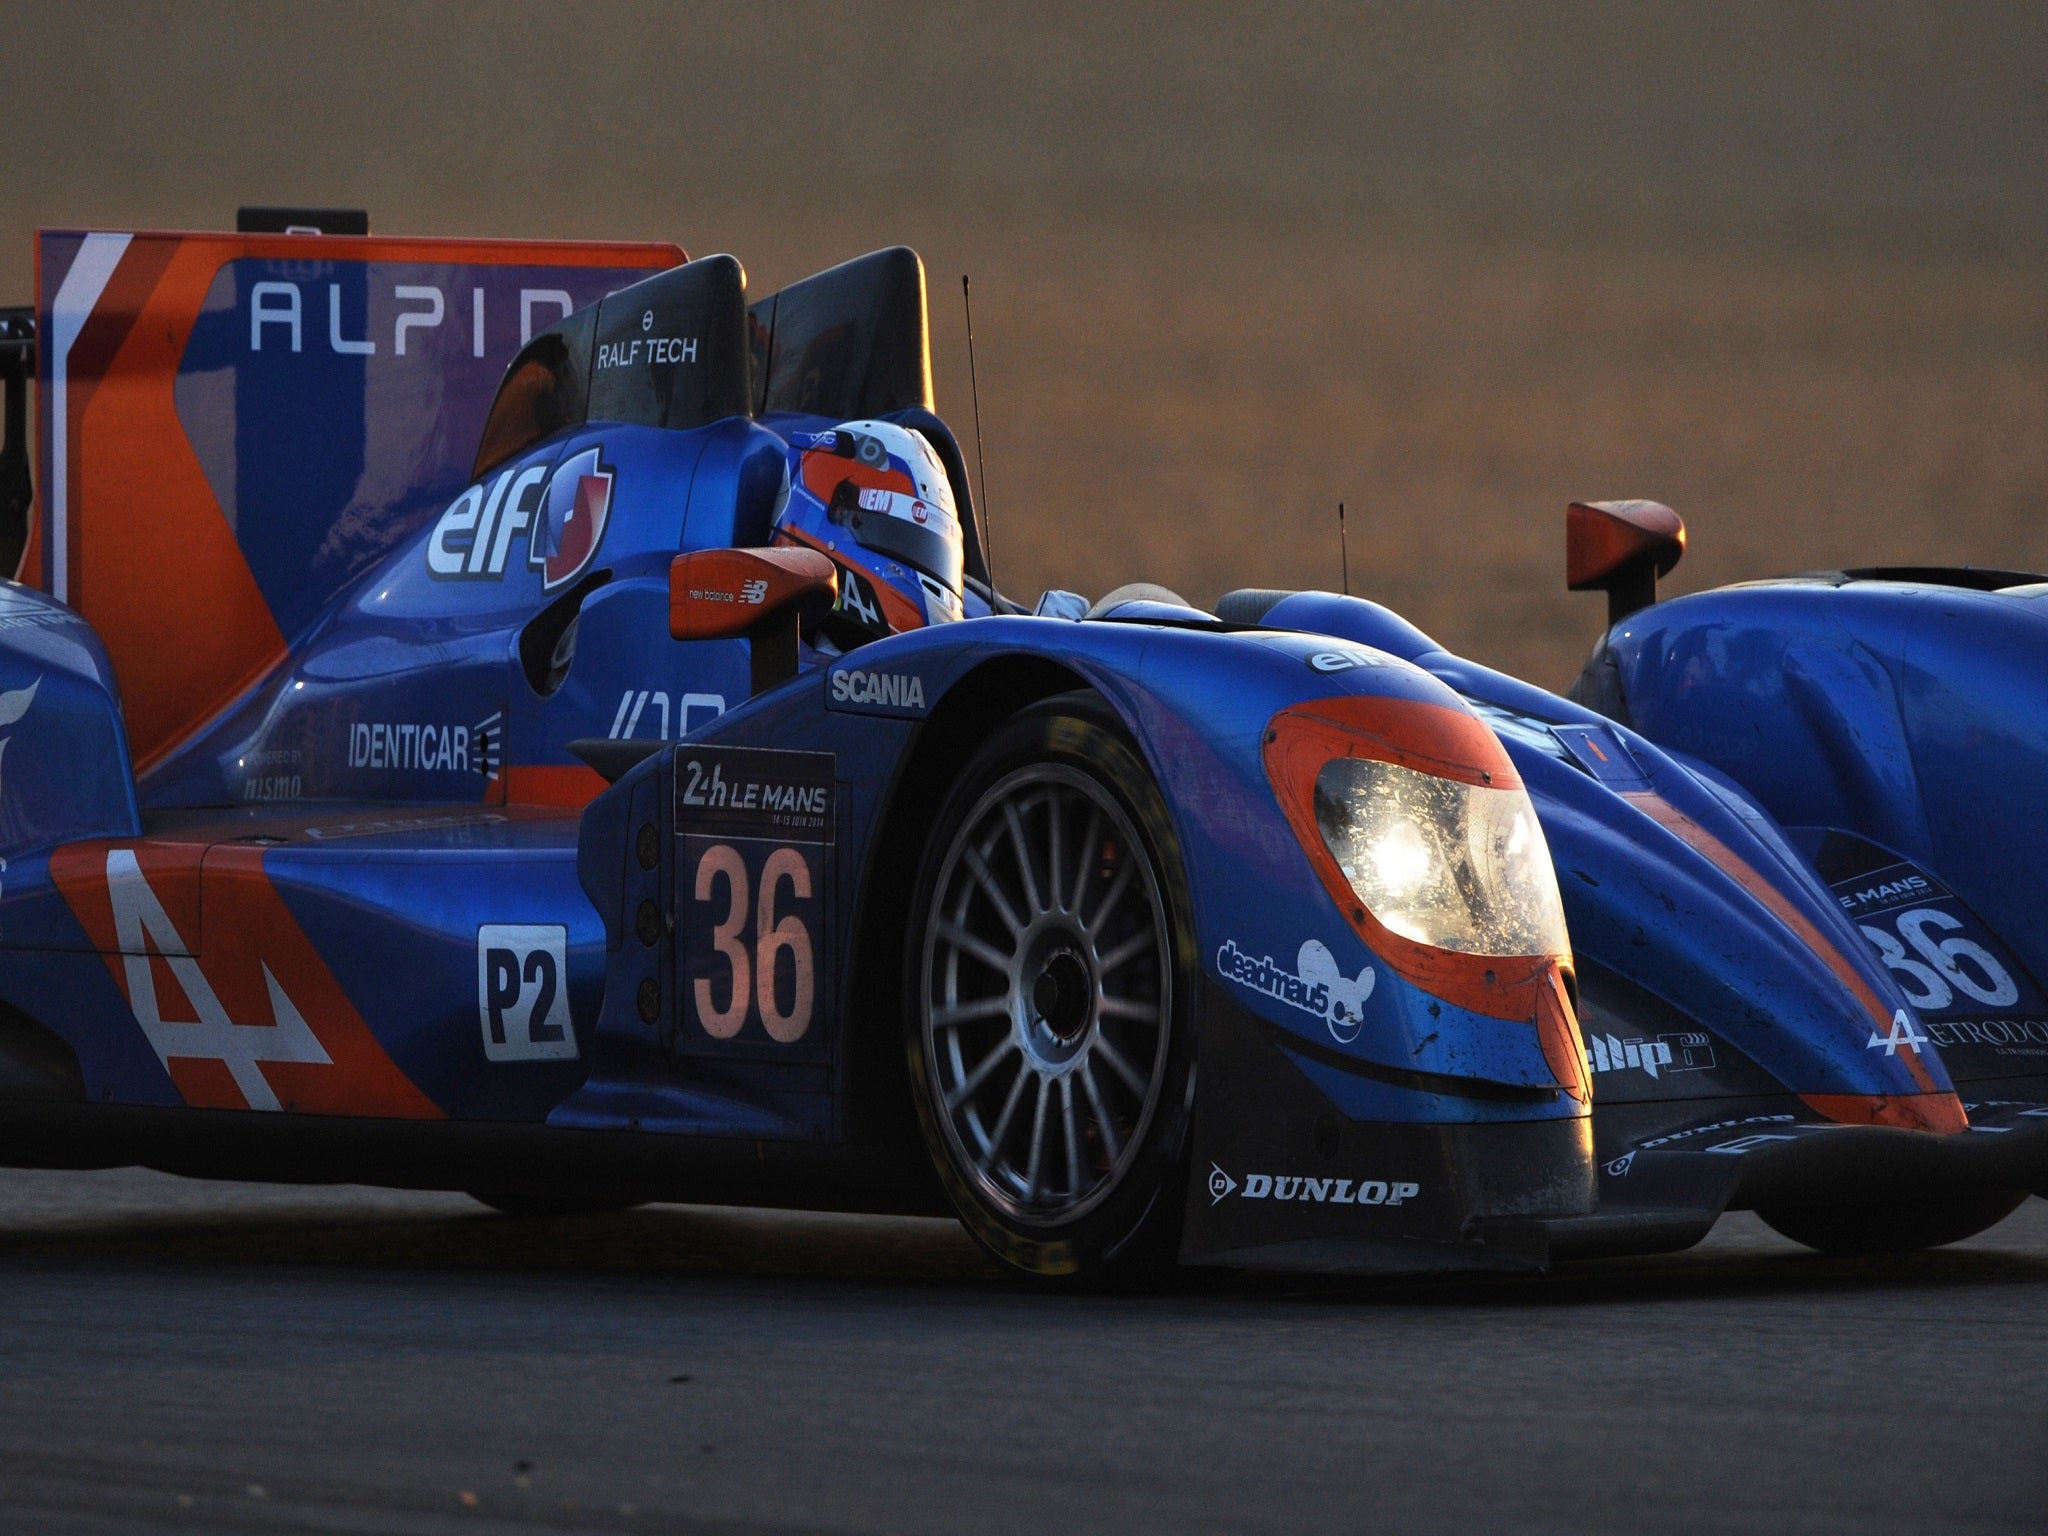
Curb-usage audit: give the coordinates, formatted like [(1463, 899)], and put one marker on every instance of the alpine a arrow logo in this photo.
[(240, 1046), (1903, 1034), (245, 1015)]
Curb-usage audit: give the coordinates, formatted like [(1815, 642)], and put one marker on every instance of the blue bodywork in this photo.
[(1894, 723), (387, 851)]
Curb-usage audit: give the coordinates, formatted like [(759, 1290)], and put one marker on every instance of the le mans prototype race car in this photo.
[(567, 748)]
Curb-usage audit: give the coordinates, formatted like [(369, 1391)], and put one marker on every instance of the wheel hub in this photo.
[(1063, 995)]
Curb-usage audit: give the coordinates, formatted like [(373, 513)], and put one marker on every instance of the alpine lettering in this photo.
[(277, 316)]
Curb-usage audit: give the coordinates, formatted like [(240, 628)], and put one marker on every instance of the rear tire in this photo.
[(1051, 989), (1902, 1226)]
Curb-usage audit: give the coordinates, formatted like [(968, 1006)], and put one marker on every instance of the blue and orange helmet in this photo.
[(875, 497)]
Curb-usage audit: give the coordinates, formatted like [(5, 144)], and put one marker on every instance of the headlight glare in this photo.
[(1458, 866)]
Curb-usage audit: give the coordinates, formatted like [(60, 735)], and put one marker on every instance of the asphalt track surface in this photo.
[(184, 1356)]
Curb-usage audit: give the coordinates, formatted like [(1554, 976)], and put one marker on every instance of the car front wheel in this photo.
[(1052, 981)]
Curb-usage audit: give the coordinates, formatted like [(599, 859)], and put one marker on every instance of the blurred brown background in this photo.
[(1780, 265)]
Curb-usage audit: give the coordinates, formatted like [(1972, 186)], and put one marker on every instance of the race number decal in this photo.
[(1972, 995), (754, 837)]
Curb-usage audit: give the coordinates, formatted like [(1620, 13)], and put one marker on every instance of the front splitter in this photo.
[(1281, 1179)]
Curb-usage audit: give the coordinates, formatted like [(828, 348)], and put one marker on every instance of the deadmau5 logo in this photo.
[(579, 503), (1318, 967), (1316, 984)]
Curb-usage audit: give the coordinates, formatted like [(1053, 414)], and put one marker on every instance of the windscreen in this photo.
[(546, 389)]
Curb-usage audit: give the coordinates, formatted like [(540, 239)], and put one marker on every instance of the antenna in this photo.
[(1344, 548), (988, 554)]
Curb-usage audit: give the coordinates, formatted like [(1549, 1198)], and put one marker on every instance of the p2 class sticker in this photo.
[(522, 992), (755, 832)]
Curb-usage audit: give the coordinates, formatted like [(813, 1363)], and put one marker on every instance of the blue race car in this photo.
[(1891, 720), (664, 805)]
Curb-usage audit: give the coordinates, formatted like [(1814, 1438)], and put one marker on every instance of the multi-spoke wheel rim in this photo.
[(1047, 992)]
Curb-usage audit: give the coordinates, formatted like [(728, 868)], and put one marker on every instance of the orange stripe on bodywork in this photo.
[(99, 342), (150, 546), (1941, 1113), (568, 785), (898, 611), (1732, 864), (230, 917), (147, 541)]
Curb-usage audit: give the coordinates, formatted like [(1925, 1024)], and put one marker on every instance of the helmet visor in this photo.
[(924, 548)]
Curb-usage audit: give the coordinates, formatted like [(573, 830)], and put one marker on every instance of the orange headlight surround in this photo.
[(1451, 744)]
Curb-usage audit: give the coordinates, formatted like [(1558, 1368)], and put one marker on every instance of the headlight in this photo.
[(1458, 866), (1418, 827)]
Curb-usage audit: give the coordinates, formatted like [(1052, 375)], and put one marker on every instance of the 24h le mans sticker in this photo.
[(753, 881)]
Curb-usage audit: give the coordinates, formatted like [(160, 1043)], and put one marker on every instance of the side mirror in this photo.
[(1621, 548), (763, 595)]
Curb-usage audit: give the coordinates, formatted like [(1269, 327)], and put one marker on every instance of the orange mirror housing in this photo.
[(719, 593), (763, 595), (1621, 548)]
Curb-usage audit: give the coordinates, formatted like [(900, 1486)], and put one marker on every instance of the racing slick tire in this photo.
[(1051, 979), (1900, 1226)]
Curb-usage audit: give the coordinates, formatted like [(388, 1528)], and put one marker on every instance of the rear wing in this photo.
[(684, 348), (232, 427), (855, 341)]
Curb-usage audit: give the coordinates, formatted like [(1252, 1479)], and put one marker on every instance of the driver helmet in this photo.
[(875, 497)]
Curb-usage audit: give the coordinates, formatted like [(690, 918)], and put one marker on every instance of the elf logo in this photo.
[(562, 516), (522, 996)]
